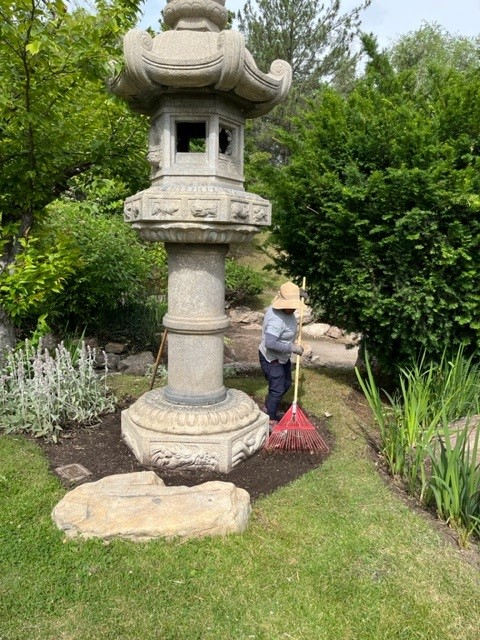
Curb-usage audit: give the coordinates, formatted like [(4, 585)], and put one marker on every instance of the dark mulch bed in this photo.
[(101, 450)]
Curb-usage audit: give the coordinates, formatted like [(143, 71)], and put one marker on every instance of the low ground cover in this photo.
[(336, 554)]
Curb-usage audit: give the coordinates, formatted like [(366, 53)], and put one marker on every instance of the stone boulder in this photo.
[(307, 316), (92, 342), (334, 332), (245, 315), (307, 355), (7, 334), (50, 341), (115, 347), (316, 330), (137, 364), (109, 360), (139, 507)]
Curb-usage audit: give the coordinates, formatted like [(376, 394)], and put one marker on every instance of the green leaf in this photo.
[(34, 47)]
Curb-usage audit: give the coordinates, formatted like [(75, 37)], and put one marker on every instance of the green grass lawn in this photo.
[(335, 555)]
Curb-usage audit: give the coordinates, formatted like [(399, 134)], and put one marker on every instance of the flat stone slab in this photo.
[(139, 507), (73, 472)]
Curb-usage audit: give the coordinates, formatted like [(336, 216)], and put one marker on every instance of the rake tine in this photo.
[(295, 432), (296, 440)]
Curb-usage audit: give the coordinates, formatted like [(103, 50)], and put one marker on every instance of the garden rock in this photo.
[(7, 333), (352, 339), (91, 342), (335, 333), (245, 315), (307, 315), (307, 355), (109, 360), (139, 507), (316, 330), (50, 341), (137, 364), (319, 330), (115, 347)]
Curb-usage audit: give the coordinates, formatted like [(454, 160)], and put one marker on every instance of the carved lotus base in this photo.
[(213, 437)]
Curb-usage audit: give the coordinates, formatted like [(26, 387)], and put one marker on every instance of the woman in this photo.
[(278, 344)]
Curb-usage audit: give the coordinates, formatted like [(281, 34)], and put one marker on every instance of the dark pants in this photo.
[(279, 378)]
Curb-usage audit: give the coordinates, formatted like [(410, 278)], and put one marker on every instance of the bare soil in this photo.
[(101, 450)]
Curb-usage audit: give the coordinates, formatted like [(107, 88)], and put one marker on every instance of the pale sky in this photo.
[(387, 19)]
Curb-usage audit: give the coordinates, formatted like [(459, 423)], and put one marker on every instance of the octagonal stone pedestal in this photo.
[(212, 437)]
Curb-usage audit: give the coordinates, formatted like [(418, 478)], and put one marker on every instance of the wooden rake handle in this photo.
[(159, 355), (297, 360)]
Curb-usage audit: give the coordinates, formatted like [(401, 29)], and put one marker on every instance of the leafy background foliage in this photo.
[(381, 198), (375, 183), (114, 269)]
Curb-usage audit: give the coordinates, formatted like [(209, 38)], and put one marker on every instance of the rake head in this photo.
[(294, 432)]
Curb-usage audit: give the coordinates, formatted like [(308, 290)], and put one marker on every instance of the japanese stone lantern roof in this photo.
[(196, 55)]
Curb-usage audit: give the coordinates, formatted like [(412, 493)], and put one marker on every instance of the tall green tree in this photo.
[(379, 207), (318, 40), (315, 37), (57, 119), (433, 48)]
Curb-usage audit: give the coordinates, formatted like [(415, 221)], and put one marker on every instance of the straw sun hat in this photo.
[(288, 297)]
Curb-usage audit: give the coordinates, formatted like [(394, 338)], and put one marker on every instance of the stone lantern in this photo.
[(198, 84)]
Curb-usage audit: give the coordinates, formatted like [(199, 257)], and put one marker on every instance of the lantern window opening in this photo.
[(225, 140), (191, 137)]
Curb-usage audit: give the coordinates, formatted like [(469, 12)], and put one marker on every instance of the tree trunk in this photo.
[(7, 333)]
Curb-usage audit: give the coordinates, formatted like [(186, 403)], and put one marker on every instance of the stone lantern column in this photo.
[(198, 84), (196, 322)]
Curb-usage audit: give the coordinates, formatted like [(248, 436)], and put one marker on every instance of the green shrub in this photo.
[(99, 195), (115, 269), (36, 275), (139, 324), (379, 207), (241, 282)]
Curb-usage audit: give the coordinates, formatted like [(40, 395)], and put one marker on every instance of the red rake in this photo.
[(294, 432)]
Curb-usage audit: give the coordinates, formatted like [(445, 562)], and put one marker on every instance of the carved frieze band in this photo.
[(245, 208), (182, 456), (247, 444), (239, 211), (204, 208), (207, 454)]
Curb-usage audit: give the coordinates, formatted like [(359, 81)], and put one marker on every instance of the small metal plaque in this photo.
[(73, 472)]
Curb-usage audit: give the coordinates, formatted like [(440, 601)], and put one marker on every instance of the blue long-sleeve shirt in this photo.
[(278, 334)]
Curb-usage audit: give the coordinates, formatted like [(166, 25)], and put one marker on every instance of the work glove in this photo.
[(297, 349), (303, 295)]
